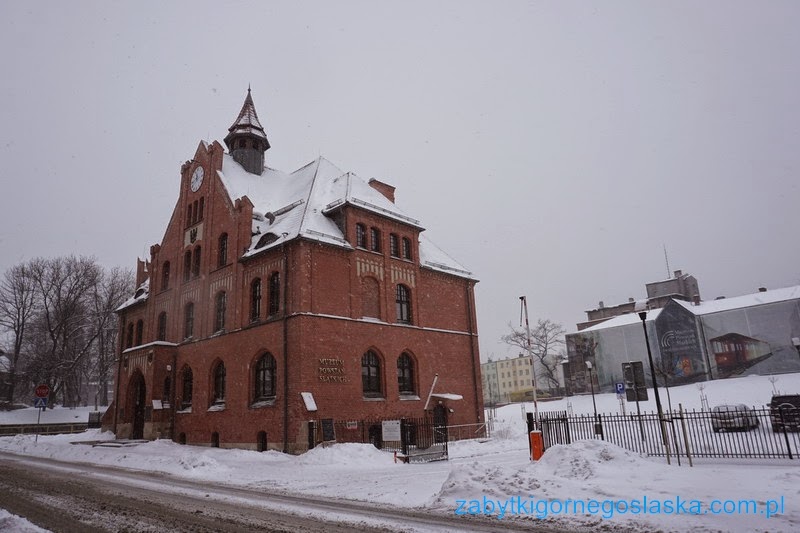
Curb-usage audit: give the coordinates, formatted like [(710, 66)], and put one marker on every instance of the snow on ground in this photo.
[(585, 485), (10, 522)]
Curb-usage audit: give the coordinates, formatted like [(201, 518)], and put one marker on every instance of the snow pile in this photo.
[(589, 459), (10, 522), (348, 455)]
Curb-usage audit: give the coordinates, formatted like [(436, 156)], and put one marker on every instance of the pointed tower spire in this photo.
[(246, 138)]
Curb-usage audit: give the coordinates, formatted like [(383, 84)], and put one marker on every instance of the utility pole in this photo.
[(524, 312)]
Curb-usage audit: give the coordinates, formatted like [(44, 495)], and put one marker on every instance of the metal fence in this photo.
[(758, 433), (421, 439), (43, 429)]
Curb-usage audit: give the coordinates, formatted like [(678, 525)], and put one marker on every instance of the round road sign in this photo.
[(42, 391)]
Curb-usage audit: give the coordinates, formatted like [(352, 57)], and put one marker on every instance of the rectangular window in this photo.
[(406, 249), (222, 252), (162, 326), (393, 245), (255, 300), (188, 323), (274, 293), (196, 263), (375, 240), (361, 236), (221, 304)]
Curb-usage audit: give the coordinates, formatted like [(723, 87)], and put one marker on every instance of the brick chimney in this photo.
[(383, 188)]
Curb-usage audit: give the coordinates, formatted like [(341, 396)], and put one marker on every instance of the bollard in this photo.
[(537, 445)]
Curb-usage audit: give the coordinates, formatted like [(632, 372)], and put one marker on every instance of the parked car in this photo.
[(737, 417), (784, 412)]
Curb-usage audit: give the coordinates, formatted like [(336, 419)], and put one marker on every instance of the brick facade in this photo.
[(325, 302)]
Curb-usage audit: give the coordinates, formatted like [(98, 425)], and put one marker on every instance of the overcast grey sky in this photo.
[(553, 148)]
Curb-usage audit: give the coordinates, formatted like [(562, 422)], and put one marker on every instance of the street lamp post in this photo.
[(524, 308), (598, 428), (643, 316)]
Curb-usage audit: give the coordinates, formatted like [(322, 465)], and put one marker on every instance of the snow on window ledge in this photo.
[(217, 407), (263, 403)]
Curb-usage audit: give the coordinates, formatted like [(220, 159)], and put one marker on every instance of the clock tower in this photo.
[(246, 139)]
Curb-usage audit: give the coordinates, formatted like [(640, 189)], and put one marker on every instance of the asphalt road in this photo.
[(71, 497)]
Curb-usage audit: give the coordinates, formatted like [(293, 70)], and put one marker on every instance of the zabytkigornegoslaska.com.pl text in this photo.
[(544, 508)]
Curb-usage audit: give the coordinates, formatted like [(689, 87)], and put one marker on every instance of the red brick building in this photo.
[(276, 299)]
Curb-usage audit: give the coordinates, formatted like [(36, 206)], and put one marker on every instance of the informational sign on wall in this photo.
[(391, 430)]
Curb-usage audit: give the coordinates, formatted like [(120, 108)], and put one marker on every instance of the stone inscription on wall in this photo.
[(331, 370)]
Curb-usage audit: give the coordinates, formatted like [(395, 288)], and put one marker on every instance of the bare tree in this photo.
[(547, 348), (17, 304), (63, 325), (113, 287)]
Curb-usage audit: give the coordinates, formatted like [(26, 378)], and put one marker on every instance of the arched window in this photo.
[(265, 378), (371, 374), (189, 212), (361, 236), (186, 388), (370, 298), (405, 374), (202, 207), (219, 383), (188, 320), (406, 248), (222, 250), (219, 311), (129, 340), (165, 276), (393, 248), (139, 332), (162, 326), (196, 262), (187, 265), (274, 293), (375, 239), (194, 212), (403, 301), (255, 300)]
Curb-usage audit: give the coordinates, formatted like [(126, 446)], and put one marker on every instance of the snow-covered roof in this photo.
[(623, 320), (747, 300), (299, 204), (139, 295), (708, 307)]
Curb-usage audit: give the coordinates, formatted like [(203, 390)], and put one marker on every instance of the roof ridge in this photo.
[(308, 197)]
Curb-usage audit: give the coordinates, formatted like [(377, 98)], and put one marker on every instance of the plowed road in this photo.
[(67, 497)]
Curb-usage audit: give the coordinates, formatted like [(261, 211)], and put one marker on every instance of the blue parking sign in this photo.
[(620, 387)]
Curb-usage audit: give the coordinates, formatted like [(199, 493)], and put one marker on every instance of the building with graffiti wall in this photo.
[(693, 341)]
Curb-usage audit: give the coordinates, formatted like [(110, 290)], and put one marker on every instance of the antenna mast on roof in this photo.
[(666, 259)]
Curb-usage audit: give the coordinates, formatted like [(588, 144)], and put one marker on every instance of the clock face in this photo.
[(197, 179)]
